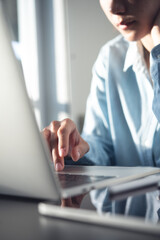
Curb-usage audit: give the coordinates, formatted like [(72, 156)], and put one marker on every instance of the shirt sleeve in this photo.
[(155, 74), (96, 130)]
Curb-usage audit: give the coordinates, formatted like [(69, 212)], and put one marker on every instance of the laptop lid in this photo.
[(25, 165)]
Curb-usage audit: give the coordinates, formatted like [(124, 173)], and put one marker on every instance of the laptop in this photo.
[(26, 168)]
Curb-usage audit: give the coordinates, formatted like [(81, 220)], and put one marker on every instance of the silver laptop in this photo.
[(26, 168)]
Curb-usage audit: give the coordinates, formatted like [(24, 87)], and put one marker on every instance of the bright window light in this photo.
[(28, 43), (61, 52), (29, 50)]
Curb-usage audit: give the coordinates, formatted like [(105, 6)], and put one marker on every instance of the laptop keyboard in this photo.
[(73, 180)]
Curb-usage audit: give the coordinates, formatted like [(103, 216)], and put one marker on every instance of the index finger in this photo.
[(64, 132)]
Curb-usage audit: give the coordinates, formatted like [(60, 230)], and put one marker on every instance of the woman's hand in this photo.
[(64, 139), (155, 31), (152, 39)]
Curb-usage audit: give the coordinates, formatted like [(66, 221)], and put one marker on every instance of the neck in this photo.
[(146, 58), (148, 45), (147, 42)]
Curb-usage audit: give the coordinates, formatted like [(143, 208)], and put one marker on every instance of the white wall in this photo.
[(89, 29)]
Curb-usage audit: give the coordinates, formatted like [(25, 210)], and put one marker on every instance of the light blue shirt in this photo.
[(120, 125)]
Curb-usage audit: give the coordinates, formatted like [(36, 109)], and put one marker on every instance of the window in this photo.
[(42, 45)]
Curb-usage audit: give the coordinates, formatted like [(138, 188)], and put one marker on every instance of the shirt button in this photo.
[(158, 56)]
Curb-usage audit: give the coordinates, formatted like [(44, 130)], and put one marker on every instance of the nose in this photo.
[(117, 7)]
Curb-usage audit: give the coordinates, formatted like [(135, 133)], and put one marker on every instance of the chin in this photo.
[(131, 37), (134, 36)]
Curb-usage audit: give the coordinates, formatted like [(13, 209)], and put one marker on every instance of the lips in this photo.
[(125, 24)]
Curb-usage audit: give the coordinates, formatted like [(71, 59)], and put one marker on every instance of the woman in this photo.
[(123, 109)]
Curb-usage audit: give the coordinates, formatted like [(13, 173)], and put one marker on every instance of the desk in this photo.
[(20, 220)]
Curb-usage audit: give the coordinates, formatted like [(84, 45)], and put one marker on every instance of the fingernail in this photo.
[(58, 166), (78, 155), (62, 152)]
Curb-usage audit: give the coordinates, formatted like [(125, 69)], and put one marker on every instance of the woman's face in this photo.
[(132, 18)]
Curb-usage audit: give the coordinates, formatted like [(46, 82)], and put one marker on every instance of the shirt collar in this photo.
[(134, 56)]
